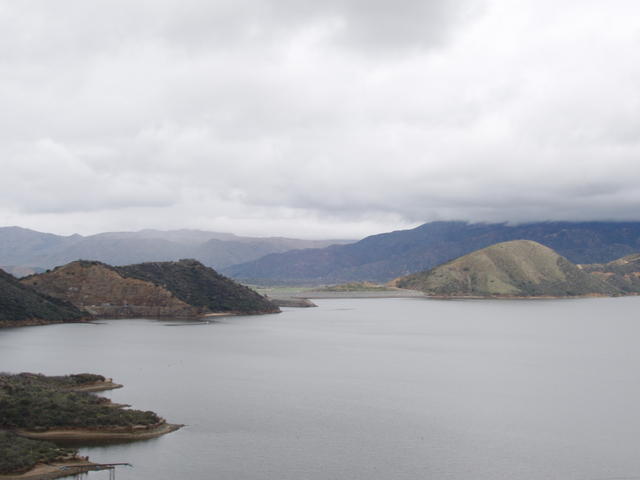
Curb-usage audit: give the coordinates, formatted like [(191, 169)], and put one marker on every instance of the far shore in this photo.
[(521, 297), (405, 293)]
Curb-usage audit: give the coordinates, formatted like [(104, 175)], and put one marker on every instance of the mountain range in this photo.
[(386, 256), (24, 251)]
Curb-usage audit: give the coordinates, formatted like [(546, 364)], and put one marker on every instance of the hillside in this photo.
[(519, 268), (623, 273), (203, 287), (28, 249), (21, 305), (164, 289), (380, 258)]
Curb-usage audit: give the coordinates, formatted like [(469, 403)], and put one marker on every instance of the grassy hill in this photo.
[(22, 305), (519, 268)]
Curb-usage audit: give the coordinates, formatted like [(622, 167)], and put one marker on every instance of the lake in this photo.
[(365, 389)]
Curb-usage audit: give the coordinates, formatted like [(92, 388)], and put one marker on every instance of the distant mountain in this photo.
[(162, 289), (24, 248), (21, 305), (21, 271), (519, 268), (380, 258)]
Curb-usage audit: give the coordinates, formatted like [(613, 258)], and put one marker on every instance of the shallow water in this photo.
[(369, 389)]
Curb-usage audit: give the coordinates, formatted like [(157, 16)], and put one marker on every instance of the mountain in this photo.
[(380, 258), (520, 268), (21, 305), (23, 248), (164, 289)]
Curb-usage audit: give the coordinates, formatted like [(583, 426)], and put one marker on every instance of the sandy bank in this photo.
[(53, 470), (96, 386), (296, 302), (138, 432)]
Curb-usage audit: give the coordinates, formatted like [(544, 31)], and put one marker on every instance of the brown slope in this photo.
[(100, 290)]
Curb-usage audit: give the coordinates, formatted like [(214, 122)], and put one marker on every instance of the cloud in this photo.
[(305, 118)]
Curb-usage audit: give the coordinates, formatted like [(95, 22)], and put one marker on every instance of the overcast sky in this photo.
[(306, 118)]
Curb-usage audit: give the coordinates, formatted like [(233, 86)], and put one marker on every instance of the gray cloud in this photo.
[(336, 118)]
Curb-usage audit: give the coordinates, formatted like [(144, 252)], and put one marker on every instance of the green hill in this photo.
[(22, 305), (519, 268)]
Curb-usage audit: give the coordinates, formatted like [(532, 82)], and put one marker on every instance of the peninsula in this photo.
[(36, 407)]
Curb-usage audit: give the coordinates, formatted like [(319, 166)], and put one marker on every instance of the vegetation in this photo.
[(20, 303), (195, 284), (37, 402), (18, 455), (63, 381), (516, 268), (624, 273), (355, 287)]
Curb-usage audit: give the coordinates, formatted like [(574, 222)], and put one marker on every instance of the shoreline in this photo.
[(50, 471), (138, 432), (418, 294), (96, 386), (37, 322), (520, 297)]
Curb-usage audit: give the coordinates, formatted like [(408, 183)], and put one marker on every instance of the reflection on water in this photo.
[(368, 389)]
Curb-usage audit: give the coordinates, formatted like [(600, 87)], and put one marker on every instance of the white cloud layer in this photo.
[(333, 119)]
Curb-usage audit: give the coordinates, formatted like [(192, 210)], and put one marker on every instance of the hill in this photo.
[(380, 258), (23, 248), (164, 289), (519, 268), (623, 273), (200, 286), (21, 305)]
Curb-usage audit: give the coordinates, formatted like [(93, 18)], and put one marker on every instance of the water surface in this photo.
[(369, 389)]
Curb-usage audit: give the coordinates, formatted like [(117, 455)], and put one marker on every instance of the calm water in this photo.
[(369, 389)]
